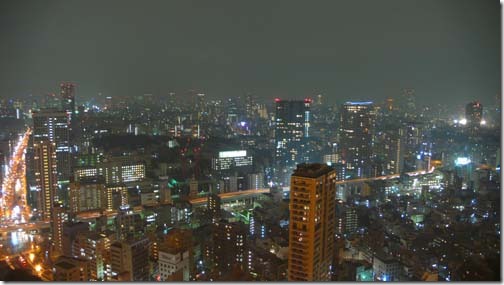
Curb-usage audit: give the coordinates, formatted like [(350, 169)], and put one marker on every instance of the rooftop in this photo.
[(312, 170), (65, 265)]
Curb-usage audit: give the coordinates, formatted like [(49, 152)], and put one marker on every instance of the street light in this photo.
[(38, 268)]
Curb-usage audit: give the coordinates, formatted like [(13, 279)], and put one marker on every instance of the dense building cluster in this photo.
[(181, 187)]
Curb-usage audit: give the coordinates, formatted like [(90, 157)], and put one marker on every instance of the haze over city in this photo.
[(250, 141), (448, 51)]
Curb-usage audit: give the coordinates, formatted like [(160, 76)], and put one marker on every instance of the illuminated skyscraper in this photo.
[(54, 125), (312, 223), (214, 207), (356, 138), (292, 125), (67, 93), (474, 114), (59, 217), (46, 176)]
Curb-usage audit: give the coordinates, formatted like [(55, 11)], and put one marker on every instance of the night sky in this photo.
[(448, 50)]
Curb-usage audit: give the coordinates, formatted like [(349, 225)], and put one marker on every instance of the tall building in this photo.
[(46, 176), (312, 223), (59, 217), (229, 245), (292, 125), (67, 93), (474, 114), (54, 125), (214, 207), (356, 138)]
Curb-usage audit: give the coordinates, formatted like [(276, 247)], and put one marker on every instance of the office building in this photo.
[(356, 138), (172, 261), (46, 176), (128, 224), (312, 223), (130, 260), (117, 196), (292, 125), (97, 249), (255, 181), (235, 160), (71, 269), (54, 125), (88, 195), (70, 231)]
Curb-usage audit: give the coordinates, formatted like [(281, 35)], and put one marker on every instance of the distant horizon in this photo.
[(448, 51)]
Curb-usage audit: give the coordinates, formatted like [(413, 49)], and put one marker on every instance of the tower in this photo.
[(474, 114), (59, 216), (46, 176), (356, 137), (312, 223), (67, 94), (292, 124), (53, 125)]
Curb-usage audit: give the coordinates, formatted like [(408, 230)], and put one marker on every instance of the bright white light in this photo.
[(462, 161), (455, 121), (463, 121), (233, 153), (483, 122)]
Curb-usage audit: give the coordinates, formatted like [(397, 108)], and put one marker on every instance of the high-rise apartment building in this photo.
[(54, 125), (214, 207), (59, 217), (356, 138), (46, 176), (292, 125), (312, 223)]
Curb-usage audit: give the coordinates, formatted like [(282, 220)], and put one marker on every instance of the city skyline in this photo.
[(252, 141), (446, 51)]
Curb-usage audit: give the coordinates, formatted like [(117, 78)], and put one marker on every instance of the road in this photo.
[(13, 202), (386, 177), (24, 227), (231, 195)]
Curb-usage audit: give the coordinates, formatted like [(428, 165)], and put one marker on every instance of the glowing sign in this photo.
[(462, 161), (359, 103), (232, 153)]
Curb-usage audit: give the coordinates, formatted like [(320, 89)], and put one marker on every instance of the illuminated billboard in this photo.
[(232, 153), (462, 161)]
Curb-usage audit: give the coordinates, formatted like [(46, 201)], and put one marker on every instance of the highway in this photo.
[(13, 203), (24, 227), (385, 177), (231, 195)]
